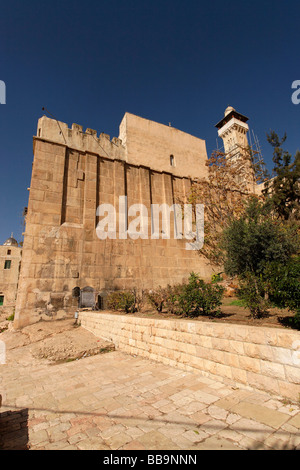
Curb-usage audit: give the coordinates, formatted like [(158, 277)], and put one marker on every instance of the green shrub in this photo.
[(198, 297), (256, 239), (284, 286), (253, 293), (191, 299), (253, 245), (123, 300)]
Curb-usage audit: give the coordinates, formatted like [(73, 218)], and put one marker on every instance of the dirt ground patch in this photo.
[(62, 340), (56, 341)]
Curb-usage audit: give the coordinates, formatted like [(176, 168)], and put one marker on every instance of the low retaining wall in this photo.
[(261, 358)]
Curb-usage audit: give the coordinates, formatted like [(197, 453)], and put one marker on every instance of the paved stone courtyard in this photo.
[(119, 402)]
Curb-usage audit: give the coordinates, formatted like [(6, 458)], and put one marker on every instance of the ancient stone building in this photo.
[(65, 262), (73, 173), (10, 259)]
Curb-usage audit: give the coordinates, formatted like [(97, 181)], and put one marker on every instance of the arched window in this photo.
[(76, 292)]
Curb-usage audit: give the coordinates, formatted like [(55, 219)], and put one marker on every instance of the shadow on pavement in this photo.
[(14, 430)]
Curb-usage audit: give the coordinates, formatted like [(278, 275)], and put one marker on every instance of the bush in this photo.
[(124, 300), (252, 292), (157, 298), (165, 297), (198, 297), (284, 286), (255, 240), (174, 294), (191, 299), (253, 244)]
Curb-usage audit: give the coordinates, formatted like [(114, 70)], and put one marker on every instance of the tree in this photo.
[(255, 239), (251, 244), (284, 188), (284, 286), (224, 194)]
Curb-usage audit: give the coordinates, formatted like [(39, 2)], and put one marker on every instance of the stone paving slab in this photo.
[(121, 402)]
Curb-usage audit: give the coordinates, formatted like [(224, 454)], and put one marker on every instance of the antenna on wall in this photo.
[(45, 109)]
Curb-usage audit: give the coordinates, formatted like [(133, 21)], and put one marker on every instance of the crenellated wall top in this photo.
[(75, 138)]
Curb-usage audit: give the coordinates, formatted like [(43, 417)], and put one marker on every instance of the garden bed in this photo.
[(231, 312)]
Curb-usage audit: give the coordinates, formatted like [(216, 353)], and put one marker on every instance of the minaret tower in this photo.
[(233, 130)]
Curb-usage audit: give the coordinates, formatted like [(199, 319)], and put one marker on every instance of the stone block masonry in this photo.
[(261, 358), (73, 173)]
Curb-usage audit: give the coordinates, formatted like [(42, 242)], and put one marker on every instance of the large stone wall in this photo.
[(151, 144), (73, 172), (258, 357)]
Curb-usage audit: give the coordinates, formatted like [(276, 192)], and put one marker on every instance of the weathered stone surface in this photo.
[(120, 402), (73, 173), (277, 371), (261, 414)]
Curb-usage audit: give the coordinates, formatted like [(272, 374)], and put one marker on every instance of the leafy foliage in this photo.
[(192, 299), (256, 239), (229, 185), (284, 188), (284, 286), (174, 294), (252, 291), (124, 301), (199, 297), (259, 249)]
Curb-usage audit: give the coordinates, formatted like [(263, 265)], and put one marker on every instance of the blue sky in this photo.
[(173, 61)]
